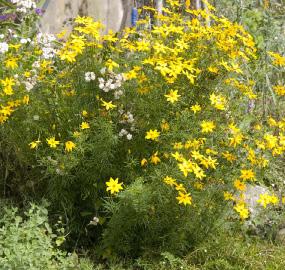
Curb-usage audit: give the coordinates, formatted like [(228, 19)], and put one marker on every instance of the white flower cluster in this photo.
[(113, 82), (4, 47), (90, 76), (124, 132), (24, 5), (46, 41), (127, 119), (24, 40), (32, 81)]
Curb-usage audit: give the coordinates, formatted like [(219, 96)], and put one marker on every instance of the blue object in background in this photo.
[(135, 15)]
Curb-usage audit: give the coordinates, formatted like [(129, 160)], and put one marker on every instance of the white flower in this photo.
[(94, 221), (129, 136), (48, 52), (4, 47), (123, 132), (29, 86), (2, 36), (24, 5), (25, 40), (118, 94), (90, 76), (103, 70)]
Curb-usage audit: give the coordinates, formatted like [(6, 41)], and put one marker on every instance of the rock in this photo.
[(252, 194), (114, 14), (280, 236)]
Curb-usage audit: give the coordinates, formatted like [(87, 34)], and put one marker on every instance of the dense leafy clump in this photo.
[(29, 243), (172, 117)]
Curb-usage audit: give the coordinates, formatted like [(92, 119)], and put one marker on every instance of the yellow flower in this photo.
[(114, 186), (198, 185), (228, 196), (84, 125), (143, 162), (242, 210), (164, 126), (218, 101), (76, 134), (69, 146), (35, 144), (207, 126), (278, 59), (196, 108), (239, 185), (172, 96), (247, 175), (84, 113), (184, 198), (155, 159), (52, 142), (213, 69), (152, 135), (11, 63), (265, 199), (169, 181), (26, 100), (236, 139), (7, 86), (108, 105), (279, 90), (110, 64)]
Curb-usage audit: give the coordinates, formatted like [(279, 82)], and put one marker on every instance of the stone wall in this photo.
[(114, 14)]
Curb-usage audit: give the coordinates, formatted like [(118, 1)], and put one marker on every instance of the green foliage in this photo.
[(146, 220), (28, 243), (224, 251), (158, 79)]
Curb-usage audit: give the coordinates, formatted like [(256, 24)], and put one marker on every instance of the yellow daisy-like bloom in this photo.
[(52, 142), (84, 113), (84, 125), (196, 108), (279, 90), (172, 96), (108, 105), (155, 158), (247, 175), (242, 210), (113, 185), (7, 84), (184, 198), (164, 126), (218, 101), (207, 126), (239, 185), (69, 146), (152, 135), (35, 144), (110, 64), (265, 199), (228, 196), (169, 181), (143, 162), (11, 63)]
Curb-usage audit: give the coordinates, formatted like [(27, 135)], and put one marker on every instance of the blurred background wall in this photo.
[(114, 14)]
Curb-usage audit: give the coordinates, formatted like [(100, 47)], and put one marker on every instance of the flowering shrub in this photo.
[(175, 104)]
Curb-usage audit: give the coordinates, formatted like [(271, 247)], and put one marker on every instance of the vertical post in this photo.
[(159, 6), (198, 4)]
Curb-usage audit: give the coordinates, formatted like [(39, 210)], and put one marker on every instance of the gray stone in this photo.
[(252, 194), (114, 14), (280, 236)]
